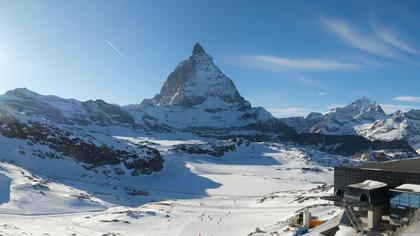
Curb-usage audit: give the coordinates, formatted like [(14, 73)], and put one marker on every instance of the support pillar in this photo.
[(374, 217)]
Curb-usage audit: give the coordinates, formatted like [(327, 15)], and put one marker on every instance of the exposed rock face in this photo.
[(304, 124), (105, 114), (349, 145), (82, 148), (216, 149)]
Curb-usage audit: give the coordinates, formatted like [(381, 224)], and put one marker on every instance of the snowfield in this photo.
[(256, 185)]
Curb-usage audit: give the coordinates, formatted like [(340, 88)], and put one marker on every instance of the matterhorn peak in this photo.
[(197, 81), (198, 49)]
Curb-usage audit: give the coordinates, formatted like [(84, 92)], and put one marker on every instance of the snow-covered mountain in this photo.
[(56, 128), (346, 119), (340, 120), (197, 81), (400, 125), (198, 96), (26, 104), (196, 100), (365, 118)]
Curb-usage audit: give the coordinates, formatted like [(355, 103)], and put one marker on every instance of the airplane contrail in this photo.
[(115, 48)]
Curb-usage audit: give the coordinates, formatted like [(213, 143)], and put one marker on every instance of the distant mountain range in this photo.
[(198, 99), (365, 118)]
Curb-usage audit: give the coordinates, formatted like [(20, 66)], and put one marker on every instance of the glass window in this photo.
[(395, 198), (405, 199), (414, 200), (395, 216)]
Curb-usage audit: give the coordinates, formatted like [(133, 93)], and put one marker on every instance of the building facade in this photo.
[(393, 173)]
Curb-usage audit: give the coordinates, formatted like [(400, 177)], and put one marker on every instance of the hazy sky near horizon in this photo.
[(291, 57)]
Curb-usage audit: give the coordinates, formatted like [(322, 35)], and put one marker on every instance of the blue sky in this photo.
[(291, 57)]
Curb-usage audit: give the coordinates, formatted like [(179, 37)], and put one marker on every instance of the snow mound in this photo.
[(25, 194)]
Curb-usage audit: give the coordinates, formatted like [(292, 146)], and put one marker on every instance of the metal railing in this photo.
[(348, 210), (354, 220), (413, 217)]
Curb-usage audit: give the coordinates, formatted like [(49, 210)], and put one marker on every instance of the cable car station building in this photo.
[(374, 193)]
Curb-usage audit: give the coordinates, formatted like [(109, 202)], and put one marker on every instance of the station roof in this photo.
[(407, 165), (368, 185), (409, 187)]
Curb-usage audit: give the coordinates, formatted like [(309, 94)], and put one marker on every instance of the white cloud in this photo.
[(116, 49), (358, 40), (322, 94), (407, 99), (390, 108), (392, 39), (290, 111), (281, 63)]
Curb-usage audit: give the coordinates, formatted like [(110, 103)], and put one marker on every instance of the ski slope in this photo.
[(257, 185)]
